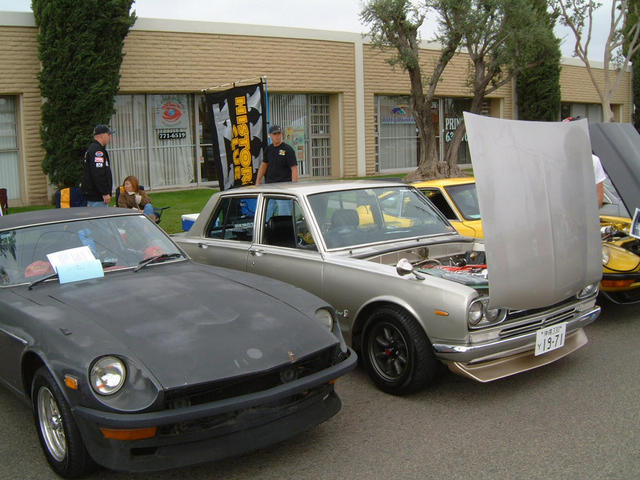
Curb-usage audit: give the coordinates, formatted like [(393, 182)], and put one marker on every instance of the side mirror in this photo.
[(404, 267)]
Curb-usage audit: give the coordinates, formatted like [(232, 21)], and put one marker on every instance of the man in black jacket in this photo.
[(97, 183)]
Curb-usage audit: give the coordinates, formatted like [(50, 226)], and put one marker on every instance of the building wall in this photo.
[(382, 79), (165, 56), (19, 67), (576, 87)]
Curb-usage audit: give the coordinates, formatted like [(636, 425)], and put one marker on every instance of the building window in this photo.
[(207, 165), (397, 135), (9, 157), (591, 111), (453, 116), (305, 122), (154, 139)]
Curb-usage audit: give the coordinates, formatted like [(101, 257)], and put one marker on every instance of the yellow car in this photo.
[(457, 200)]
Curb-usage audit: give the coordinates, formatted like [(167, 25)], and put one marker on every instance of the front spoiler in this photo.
[(504, 367), (500, 358)]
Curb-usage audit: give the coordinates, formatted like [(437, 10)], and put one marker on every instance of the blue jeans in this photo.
[(148, 209), (96, 204)]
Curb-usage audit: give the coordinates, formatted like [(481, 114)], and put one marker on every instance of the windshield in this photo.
[(356, 217), (466, 199), (118, 242)]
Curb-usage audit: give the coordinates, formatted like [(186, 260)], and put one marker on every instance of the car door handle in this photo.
[(256, 252), (203, 245)]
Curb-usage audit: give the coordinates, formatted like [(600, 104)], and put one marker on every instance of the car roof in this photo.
[(311, 187), (54, 215), (444, 182)]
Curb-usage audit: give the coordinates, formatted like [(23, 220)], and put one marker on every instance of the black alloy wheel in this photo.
[(396, 352)]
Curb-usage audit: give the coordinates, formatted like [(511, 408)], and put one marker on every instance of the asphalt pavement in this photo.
[(574, 419)]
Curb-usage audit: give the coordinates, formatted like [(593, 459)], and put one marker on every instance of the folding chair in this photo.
[(70, 197)]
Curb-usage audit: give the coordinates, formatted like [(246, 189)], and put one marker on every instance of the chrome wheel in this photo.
[(50, 423), (388, 351)]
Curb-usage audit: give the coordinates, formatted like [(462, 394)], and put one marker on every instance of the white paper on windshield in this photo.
[(75, 264), (537, 198)]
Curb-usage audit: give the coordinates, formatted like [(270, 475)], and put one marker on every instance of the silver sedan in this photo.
[(411, 292)]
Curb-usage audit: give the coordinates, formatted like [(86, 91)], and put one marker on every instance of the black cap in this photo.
[(98, 129), (275, 129)]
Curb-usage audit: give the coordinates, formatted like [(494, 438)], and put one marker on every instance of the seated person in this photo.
[(133, 197)]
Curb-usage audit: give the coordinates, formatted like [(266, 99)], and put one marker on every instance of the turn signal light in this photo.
[(129, 433), (617, 283)]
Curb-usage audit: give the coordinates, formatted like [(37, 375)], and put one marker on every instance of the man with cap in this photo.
[(97, 182), (279, 163)]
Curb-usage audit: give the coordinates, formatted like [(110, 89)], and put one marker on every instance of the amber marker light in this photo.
[(617, 283), (71, 382), (129, 433), (442, 313)]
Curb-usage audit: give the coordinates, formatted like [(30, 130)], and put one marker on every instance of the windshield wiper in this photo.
[(40, 280), (156, 258)]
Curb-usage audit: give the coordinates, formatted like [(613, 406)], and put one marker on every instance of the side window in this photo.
[(233, 219), (285, 225), (441, 203)]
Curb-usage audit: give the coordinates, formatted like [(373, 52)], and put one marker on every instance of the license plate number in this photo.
[(550, 338)]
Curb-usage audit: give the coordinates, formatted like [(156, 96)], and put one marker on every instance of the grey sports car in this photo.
[(135, 358), (410, 291)]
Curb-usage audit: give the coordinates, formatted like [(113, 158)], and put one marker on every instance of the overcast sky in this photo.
[(320, 14)]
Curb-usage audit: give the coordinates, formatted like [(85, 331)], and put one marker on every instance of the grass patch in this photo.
[(180, 202)]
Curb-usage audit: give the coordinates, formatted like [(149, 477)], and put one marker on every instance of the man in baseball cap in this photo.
[(97, 182), (279, 163)]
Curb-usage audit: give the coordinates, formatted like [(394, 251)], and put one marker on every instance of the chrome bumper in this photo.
[(501, 348)]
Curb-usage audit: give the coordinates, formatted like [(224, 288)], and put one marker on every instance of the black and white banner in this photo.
[(239, 133)]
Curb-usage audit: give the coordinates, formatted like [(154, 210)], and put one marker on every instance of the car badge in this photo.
[(292, 357)]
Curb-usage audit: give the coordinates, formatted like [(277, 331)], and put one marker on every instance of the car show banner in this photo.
[(239, 133)]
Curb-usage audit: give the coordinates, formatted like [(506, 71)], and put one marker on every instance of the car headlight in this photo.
[(107, 375), (475, 312), (480, 315), (588, 291), (605, 255), (325, 317)]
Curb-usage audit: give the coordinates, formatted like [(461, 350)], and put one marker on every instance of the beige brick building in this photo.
[(343, 108)]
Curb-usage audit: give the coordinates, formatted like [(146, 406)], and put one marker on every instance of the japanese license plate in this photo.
[(550, 338)]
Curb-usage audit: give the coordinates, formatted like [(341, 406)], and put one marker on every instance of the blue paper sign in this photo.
[(74, 272)]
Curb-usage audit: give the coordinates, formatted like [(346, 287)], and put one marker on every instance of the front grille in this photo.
[(517, 324), (214, 391), (231, 421)]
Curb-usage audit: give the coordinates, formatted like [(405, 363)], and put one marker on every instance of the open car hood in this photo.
[(537, 198), (618, 146)]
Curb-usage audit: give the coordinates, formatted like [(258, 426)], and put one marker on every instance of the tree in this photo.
[(538, 88), (634, 16), (501, 38), (621, 44), (395, 24), (80, 49)]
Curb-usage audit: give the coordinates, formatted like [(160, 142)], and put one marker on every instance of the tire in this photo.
[(396, 352), (57, 430)]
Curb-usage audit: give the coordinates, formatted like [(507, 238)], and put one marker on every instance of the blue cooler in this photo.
[(188, 219)]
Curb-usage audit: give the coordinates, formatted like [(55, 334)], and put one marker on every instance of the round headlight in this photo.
[(588, 291), (605, 255), (325, 317), (475, 313), (107, 375), (494, 314)]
